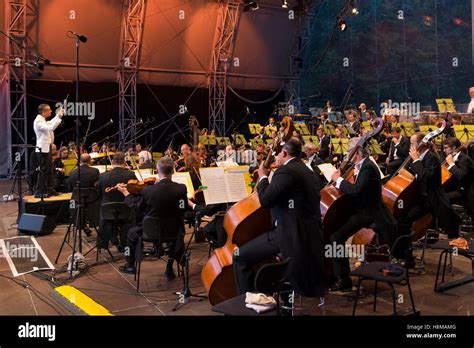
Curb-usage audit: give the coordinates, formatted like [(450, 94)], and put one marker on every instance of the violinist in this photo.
[(293, 197), (430, 197), (203, 156), (460, 189), (59, 169), (89, 175), (367, 192), (164, 199), (145, 159), (118, 174)]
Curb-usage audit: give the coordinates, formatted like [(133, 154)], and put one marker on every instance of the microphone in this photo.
[(247, 110), (81, 38)]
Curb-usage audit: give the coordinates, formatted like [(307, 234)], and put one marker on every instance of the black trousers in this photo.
[(176, 249), (107, 234), (44, 180), (357, 221), (249, 254), (393, 166), (461, 198)]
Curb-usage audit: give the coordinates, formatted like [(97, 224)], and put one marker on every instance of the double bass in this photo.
[(336, 207), (400, 191), (243, 222)]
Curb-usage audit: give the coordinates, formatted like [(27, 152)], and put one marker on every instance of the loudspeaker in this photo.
[(37, 225)]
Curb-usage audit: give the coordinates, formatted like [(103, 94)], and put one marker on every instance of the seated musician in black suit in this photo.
[(430, 197), (293, 197), (354, 123), (369, 209), (164, 199), (324, 141), (460, 189), (89, 175), (313, 160), (398, 151), (118, 175)]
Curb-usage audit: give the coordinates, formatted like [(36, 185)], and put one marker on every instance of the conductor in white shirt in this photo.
[(44, 131), (470, 108)]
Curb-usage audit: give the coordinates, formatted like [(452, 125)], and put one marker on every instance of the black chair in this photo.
[(114, 213), (270, 280), (157, 231), (401, 249)]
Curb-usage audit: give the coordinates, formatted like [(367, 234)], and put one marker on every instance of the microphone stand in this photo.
[(95, 131)]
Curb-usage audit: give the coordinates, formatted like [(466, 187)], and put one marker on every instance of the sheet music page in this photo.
[(327, 169), (236, 185), (214, 181), (184, 178)]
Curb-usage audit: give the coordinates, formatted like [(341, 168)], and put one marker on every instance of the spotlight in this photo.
[(250, 5), (284, 4), (342, 24), (355, 11)]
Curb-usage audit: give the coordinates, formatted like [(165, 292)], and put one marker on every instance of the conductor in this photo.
[(44, 131)]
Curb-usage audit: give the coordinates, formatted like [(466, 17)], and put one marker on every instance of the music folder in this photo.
[(225, 185)]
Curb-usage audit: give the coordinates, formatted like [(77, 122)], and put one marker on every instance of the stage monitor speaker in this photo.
[(37, 225)]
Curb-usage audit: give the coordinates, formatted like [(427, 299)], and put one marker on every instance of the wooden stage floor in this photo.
[(117, 292)]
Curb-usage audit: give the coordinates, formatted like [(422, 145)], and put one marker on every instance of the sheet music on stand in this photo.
[(179, 177), (464, 132), (407, 129), (311, 139), (254, 128), (428, 129), (225, 185), (327, 169), (239, 139), (340, 146), (329, 129), (445, 105)]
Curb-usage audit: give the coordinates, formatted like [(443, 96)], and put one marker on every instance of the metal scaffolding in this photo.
[(303, 35), (131, 38), (223, 47), (16, 77)]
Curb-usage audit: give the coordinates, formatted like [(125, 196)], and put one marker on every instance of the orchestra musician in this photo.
[(59, 170), (313, 160), (460, 189), (470, 108), (89, 175), (44, 131), (118, 174), (185, 150), (192, 165), (293, 197), (164, 199), (324, 142), (398, 152), (262, 134), (369, 209), (145, 159), (353, 122), (430, 197), (363, 111)]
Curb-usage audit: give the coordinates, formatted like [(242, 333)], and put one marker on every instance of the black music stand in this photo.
[(186, 293)]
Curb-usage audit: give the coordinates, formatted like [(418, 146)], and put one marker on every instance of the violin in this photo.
[(133, 186)]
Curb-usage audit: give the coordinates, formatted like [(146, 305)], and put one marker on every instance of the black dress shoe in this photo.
[(343, 284), (127, 269)]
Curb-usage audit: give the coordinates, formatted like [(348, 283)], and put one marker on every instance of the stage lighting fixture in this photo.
[(284, 4), (355, 11), (342, 24), (250, 5)]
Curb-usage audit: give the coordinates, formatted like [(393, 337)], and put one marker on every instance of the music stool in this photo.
[(446, 249), (236, 307), (401, 249)]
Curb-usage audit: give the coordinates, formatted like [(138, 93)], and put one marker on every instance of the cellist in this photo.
[(293, 197), (430, 197)]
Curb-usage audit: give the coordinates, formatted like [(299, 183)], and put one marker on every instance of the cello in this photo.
[(244, 221)]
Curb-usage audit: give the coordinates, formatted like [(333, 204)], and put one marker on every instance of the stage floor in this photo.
[(116, 291)]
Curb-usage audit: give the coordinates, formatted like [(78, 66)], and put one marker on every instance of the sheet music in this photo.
[(184, 178), (236, 186), (215, 191), (328, 170)]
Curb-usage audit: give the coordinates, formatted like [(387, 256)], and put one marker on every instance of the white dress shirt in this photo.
[(455, 158), (470, 108), (44, 131), (357, 166)]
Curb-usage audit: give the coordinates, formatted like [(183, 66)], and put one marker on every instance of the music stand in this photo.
[(367, 125), (406, 128), (239, 139), (329, 129), (429, 129), (186, 293), (254, 128), (311, 139), (340, 146), (446, 105), (464, 132), (375, 148)]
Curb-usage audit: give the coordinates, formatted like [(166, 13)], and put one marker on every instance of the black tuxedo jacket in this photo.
[(108, 179), (89, 177)]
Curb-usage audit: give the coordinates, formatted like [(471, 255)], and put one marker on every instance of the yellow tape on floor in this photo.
[(81, 301)]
